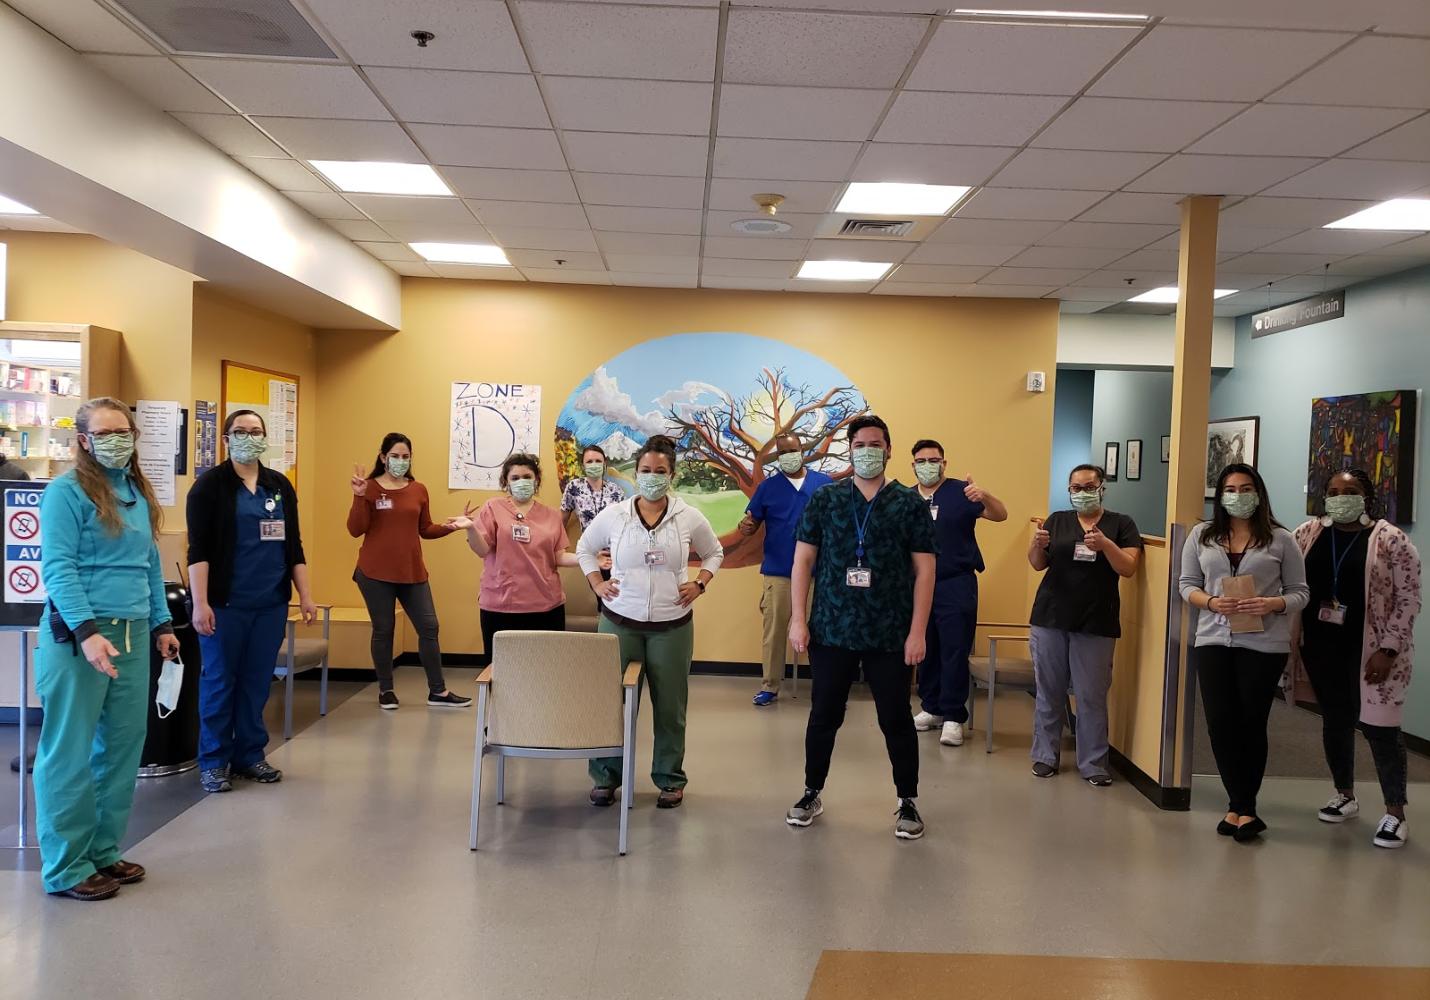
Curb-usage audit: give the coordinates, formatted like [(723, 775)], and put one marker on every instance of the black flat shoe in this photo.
[(1044, 770), (1247, 832), (1225, 829)]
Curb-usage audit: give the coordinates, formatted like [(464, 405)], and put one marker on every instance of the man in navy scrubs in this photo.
[(955, 505)]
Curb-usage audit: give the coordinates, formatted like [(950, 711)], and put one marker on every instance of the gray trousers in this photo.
[(381, 599), (1085, 661)]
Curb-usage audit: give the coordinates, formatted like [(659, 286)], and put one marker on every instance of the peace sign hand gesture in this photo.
[(359, 482)]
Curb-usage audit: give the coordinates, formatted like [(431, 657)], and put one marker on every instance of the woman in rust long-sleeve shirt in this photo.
[(391, 514)]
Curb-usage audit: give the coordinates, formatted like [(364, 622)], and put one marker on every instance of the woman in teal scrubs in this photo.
[(100, 565)]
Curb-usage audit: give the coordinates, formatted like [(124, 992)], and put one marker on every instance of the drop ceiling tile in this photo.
[(83, 25), (1077, 169), (399, 208), (1214, 64), (1303, 212), (1005, 232), (782, 270), (1083, 257), (798, 159), (1236, 239), (411, 270), (581, 260), (803, 225), (1027, 203), (1344, 178), (288, 89), (626, 219), (1079, 307), (1101, 295), (1299, 130), (652, 263), (1120, 284), (545, 215), (799, 112), (456, 231), (390, 251), (734, 194), (920, 163), (635, 279), (830, 287), (1135, 125), (1016, 58), (452, 97), (985, 290), (1410, 141), (1304, 284), (473, 34), (1054, 276), (325, 205), (890, 251), (1149, 260), (743, 284), (481, 146), (968, 119), (1370, 72), (365, 231), (478, 272), (1339, 242), (495, 184), (1372, 265), (284, 175), (1419, 245), (624, 153), (619, 41), (921, 289), (754, 248), (1123, 206), (934, 273), (322, 139), (990, 255), (1113, 235), (591, 104), (158, 81), (231, 133), (641, 190), (562, 276), (649, 243), (1273, 263), (1196, 174), (818, 49), (532, 238)]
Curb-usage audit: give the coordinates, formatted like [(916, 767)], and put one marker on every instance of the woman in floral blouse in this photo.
[(1357, 642), (587, 497)]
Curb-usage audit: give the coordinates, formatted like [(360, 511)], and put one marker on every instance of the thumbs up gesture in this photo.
[(359, 482), (972, 490)]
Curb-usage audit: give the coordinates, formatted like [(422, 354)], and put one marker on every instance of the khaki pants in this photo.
[(775, 605)]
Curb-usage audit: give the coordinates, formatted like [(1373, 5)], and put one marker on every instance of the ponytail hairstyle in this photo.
[(380, 465), (93, 478), (658, 444)]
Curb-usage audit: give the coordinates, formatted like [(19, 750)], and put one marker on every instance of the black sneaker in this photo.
[(909, 825), (806, 810), (262, 773), (215, 779), (1044, 770), (448, 700), (387, 701), (1100, 780)]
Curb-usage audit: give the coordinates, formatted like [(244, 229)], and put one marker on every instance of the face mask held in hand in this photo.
[(868, 461), (653, 485), (522, 490), (1346, 509), (171, 682), (113, 451), (791, 462), (1240, 505), (397, 467), (247, 450)]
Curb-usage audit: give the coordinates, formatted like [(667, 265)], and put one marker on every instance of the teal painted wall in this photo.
[(1072, 430), (1127, 405), (1382, 342)]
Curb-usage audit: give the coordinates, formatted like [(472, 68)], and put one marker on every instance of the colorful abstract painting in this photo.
[(723, 397), (1374, 431)]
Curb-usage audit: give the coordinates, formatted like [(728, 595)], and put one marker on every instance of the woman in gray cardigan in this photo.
[(1239, 671)]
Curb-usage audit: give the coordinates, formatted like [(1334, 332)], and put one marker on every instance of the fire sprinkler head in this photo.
[(769, 203)]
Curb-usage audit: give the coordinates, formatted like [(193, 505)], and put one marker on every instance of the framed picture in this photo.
[(1134, 459), (1228, 442), (1166, 448), (1109, 461), (1374, 431)]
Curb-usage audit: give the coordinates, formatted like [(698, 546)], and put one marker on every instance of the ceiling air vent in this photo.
[(874, 228), (229, 27)]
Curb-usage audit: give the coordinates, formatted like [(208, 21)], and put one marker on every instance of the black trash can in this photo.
[(172, 745)]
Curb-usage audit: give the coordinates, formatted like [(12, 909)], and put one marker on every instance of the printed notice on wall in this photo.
[(22, 546), (205, 435), (159, 442), (490, 420)]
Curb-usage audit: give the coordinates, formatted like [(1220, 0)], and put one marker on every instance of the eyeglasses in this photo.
[(1085, 488), (243, 435), (927, 461), (107, 435)]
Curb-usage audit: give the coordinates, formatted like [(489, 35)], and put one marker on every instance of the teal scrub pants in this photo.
[(90, 745)]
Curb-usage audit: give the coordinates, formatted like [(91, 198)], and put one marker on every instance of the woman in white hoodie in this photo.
[(646, 603)]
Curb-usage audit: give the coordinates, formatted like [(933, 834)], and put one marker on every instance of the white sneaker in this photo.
[(1339, 809), (952, 735), (925, 721), (1392, 832)]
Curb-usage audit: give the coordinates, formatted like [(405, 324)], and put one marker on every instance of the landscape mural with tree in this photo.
[(724, 398)]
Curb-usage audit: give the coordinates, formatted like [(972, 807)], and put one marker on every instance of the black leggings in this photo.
[(1238, 686), (381, 599), (1336, 681), (520, 621)]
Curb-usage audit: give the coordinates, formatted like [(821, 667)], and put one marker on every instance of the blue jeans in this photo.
[(943, 676), (239, 659)]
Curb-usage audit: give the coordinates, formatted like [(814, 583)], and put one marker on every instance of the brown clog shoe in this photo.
[(92, 889), (603, 797), (124, 872), (670, 798)]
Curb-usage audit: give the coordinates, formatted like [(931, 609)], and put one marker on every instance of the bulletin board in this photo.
[(274, 396)]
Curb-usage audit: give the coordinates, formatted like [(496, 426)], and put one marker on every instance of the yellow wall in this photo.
[(953, 369)]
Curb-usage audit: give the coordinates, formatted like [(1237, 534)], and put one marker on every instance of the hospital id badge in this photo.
[(1332, 613), (933, 511), (272, 530), (655, 557), (383, 503), (1081, 553), (521, 533), (859, 576)]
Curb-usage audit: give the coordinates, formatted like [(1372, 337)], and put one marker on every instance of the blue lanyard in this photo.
[(1338, 560), (861, 525)]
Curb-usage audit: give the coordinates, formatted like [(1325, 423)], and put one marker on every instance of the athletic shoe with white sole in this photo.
[(1393, 832), (925, 721), (909, 825), (952, 735), (387, 701), (448, 700), (806, 810), (1339, 809)]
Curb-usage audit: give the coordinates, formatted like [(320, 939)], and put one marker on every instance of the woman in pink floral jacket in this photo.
[(1356, 644)]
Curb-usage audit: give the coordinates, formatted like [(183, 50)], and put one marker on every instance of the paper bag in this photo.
[(1242, 588)]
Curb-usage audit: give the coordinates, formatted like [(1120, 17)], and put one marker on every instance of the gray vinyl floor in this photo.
[(352, 878)]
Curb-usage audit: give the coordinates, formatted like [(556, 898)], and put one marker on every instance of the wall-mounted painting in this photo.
[(1373, 431), (1134, 459), (1229, 442), (1109, 461), (1166, 448), (723, 397)]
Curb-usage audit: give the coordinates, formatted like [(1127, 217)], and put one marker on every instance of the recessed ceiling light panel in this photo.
[(760, 227), (8, 206), (844, 270), (373, 177), (1411, 215), (1051, 15), (901, 199), (462, 253), (1168, 294)]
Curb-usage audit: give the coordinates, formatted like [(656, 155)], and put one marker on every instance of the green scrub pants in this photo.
[(666, 656), (90, 745)]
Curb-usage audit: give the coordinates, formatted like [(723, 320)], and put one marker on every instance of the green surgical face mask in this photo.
[(791, 462), (522, 490), (1086, 503), (398, 467), (246, 450), (653, 485), (595, 470), (868, 461), (928, 473), (1346, 508), (1240, 505), (113, 451)]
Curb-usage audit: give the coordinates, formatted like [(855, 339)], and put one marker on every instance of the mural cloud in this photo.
[(603, 398)]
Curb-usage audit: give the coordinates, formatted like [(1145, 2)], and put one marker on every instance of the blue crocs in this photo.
[(765, 699)]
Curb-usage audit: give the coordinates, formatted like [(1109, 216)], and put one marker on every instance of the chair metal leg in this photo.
[(323, 690), (477, 765), (628, 764), (501, 779), (992, 683), (288, 684)]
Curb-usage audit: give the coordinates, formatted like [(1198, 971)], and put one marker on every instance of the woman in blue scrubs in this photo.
[(245, 559), (100, 567)]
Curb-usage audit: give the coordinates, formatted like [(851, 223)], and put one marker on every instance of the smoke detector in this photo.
[(760, 227)]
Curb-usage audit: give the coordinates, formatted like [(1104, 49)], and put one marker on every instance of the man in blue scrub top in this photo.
[(778, 503), (955, 505)]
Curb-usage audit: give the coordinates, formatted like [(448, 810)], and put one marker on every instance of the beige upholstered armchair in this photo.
[(1006, 668), (557, 695), (581, 610)]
